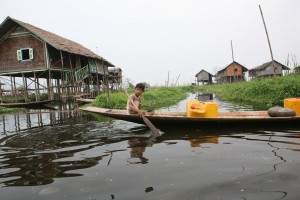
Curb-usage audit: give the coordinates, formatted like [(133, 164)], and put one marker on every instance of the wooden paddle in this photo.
[(147, 121)]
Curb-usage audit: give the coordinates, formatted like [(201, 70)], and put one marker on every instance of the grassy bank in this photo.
[(267, 91), (4, 110), (152, 99)]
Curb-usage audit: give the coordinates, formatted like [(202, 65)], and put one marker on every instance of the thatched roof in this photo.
[(52, 39)]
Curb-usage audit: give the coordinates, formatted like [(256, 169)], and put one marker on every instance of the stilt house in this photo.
[(234, 72), (204, 77), (267, 70), (115, 77), (32, 53)]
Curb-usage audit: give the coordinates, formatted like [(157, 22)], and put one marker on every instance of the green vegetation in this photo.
[(152, 99), (8, 110), (21, 98), (266, 91)]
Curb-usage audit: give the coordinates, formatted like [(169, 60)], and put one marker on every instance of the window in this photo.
[(25, 54)]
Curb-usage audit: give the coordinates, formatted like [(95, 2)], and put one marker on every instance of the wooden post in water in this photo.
[(13, 87), (62, 74), (273, 63), (1, 100)]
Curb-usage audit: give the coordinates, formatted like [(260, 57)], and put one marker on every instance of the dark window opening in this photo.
[(25, 54)]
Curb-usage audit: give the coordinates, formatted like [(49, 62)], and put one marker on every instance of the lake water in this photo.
[(68, 154)]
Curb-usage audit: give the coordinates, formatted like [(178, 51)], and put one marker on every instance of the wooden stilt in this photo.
[(62, 74), (1, 100)]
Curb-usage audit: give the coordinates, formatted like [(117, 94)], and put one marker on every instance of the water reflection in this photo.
[(36, 156), (222, 106), (205, 97), (115, 159), (137, 148)]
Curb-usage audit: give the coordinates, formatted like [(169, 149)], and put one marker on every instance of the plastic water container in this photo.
[(293, 103), (194, 108)]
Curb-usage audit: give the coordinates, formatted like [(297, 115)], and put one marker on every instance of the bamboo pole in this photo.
[(97, 80), (1, 100), (168, 79), (12, 87), (62, 73), (37, 88), (72, 75), (177, 80), (273, 63), (106, 81), (49, 85), (15, 88), (234, 73)]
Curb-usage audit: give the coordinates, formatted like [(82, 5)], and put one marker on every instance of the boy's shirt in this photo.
[(136, 100)]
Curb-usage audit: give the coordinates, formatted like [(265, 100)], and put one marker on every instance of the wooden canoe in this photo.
[(83, 101), (180, 118), (26, 105)]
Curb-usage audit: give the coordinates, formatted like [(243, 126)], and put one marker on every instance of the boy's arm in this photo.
[(134, 108)]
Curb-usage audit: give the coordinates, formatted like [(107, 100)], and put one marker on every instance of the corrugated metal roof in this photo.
[(202, 70), (265, 65), (54, 40), (244, 69)]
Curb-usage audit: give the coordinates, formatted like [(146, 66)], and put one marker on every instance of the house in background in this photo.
[(204, 77), (234, 72), (115, 79), (267, 70), (32, 54)]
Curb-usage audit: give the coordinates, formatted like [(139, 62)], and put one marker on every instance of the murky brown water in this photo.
[(73, 155)]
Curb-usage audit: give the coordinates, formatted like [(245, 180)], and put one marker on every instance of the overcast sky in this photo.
[(149, 39)]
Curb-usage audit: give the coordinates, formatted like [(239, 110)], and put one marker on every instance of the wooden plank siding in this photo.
[(54, 57), (267, 70), (8, 53), (115, 74), (204, 77), (234, 72)]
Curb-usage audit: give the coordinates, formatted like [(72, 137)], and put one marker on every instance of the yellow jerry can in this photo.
[(293, 103), (194, 108)]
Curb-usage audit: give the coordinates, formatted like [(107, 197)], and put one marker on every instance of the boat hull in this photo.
[(180, 118), (26, 105)]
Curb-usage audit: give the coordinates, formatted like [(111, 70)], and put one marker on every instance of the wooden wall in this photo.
[(8, 53), (234, 70)]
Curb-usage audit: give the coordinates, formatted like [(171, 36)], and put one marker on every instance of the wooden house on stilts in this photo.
[(268, 70), (32, 54), (234, 72), (115, 81), (204, 77)]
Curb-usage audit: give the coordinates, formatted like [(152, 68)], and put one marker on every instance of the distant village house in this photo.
[(204, 77), (268, 70), (234, 72), (115, 79)]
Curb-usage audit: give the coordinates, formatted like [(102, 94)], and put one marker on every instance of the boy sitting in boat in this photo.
[(135, 98)]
